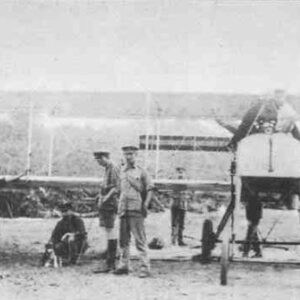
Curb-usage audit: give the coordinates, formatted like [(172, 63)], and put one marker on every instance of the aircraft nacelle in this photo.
[(269, 163), (269, 155)]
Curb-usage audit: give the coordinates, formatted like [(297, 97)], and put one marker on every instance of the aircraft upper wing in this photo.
[(230, 126)]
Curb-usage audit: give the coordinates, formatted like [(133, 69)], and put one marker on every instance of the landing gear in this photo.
[(224, 261)]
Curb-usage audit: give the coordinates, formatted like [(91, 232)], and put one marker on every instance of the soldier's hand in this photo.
[(71, 237), (144, 210), (104, 199), (65, 237), (99, 204), (68, 237)]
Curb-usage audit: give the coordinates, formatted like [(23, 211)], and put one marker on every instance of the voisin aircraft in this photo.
[(264, 147)]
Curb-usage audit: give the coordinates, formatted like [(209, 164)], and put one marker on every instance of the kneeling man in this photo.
[(69, 237)]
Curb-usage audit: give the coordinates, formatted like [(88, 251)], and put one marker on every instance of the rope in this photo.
[(278, 219), (271, 229)]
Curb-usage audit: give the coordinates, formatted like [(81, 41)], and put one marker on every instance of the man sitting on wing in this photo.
[(275, 112)]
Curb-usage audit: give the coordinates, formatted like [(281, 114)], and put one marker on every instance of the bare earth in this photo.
[(21, 277)]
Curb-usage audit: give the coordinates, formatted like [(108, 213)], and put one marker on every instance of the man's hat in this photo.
[(156, 243), (65, 205), (99, 154), (130, 148)]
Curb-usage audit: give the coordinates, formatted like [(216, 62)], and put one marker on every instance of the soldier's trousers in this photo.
[(133, 225), (177, 220), (252, 239)]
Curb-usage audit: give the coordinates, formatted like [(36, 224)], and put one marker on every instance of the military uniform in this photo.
[(253, 215), (178, 211), (135, 184), (108, 207), (179, 207)]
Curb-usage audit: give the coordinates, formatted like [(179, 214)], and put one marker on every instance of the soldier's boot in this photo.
[(180, 238), (256, 247), (247, 245), (257, 254), (173, 236), (110, 258), (246, 249), (123, 268), (113, 256)]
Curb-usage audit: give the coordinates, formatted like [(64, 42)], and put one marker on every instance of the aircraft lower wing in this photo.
[(8, 182)]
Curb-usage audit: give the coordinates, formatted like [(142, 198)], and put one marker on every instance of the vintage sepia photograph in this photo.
[(150, 149)]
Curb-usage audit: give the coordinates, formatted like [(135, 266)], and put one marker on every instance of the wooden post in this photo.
[(157, 141), (148, 105), (51, 147)]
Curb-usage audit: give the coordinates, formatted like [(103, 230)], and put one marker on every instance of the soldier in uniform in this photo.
[(136, 194), (179, 203), (253, 215), (108, 206), (69, 237)]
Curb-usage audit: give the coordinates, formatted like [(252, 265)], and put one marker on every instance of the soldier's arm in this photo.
[(79, 228), (158, 203), (190, 197), (148, 198), (114, 187), (148, 185)]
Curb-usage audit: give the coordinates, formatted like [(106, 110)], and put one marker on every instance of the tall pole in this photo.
[(51, 142), (51, 151), (148, 105), (157, 141), (29, 143)]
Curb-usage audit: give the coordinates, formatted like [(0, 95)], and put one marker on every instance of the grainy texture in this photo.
[(21, 277)]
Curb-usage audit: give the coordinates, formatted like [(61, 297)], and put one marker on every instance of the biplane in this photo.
[(264, 148), (265, 159)]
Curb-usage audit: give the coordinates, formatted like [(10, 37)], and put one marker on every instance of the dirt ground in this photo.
[(21, 277)]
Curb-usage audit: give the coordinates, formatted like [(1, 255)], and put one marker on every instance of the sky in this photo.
[(150, 45)]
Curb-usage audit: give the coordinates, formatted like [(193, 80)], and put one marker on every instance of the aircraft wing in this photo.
[(91, 182), (231, 126)]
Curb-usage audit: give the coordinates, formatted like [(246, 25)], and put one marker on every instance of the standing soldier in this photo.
[(108, 206), (253, 215), (178, 210), (136, 194)]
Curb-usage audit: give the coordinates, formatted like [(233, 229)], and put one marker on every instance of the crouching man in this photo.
[(69, 237), (136, 194)]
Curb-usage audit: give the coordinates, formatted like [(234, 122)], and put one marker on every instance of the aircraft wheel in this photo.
[(207, 240), (224, 261)]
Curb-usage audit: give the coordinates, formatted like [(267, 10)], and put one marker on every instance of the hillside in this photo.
[(73, 143), (96, 104)]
